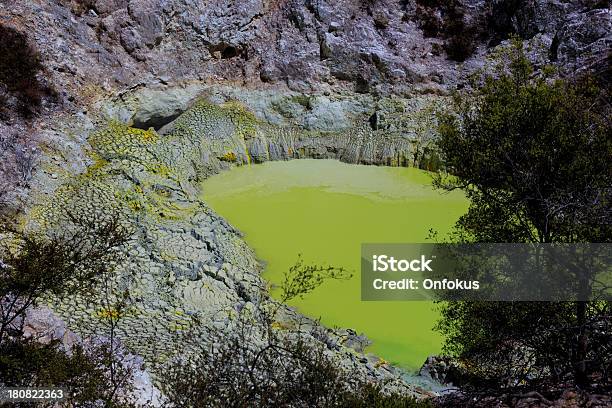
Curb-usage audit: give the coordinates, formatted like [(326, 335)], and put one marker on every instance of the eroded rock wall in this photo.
[(382, 46)]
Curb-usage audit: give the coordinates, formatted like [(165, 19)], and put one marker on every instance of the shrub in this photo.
[(288, 369), (229, 157), (372, 396), (84, 373), (34, 266), (533, 157)]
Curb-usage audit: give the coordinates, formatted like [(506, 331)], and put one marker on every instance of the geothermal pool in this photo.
[(324, 210)]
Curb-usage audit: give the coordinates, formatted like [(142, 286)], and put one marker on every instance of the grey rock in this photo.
[(584, 41), (158, 107), (303, 45)]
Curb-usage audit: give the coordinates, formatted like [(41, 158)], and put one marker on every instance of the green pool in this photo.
[(324, 210)]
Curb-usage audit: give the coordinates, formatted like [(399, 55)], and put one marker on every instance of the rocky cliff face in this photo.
[(384, 46)]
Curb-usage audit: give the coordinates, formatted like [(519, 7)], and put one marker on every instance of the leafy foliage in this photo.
[(371, 396), (287, 369), (34, 266), (533, 156), (282, 372), (82, 372)]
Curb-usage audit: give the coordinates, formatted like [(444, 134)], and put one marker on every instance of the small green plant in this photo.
[(304, 100), (302, 278)]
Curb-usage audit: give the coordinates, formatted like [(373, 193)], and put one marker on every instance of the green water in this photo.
[(324, 210)]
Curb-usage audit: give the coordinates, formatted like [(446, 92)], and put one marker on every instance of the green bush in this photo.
[(35, 266), (532, 155), (27, 363)]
